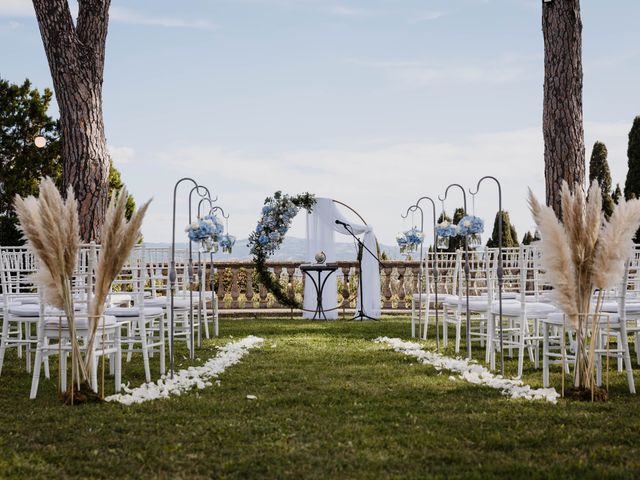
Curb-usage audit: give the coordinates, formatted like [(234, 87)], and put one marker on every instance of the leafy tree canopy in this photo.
[(23, 117)]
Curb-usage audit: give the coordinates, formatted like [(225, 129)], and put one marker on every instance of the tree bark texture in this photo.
[(564, 155), (75, 53)]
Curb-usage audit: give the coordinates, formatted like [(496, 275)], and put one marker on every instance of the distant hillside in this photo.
[(293, 249)]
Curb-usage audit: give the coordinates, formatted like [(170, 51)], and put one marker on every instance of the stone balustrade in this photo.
[(237, 288)]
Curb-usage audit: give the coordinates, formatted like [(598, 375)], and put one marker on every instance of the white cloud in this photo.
[(428, 17), (418, 74), (379, 181), (121, 155), (126, 15), (16, 8), (24, 8), (346, 11)]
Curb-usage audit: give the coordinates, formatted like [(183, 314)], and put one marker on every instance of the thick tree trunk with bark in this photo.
[(76, 60), (564, 156)]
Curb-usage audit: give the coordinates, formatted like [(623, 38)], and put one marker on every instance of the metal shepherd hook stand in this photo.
[(172, 266), (499, 270), (213, 271), (466, 263), (212, 210), (435, 265), (207, 195)]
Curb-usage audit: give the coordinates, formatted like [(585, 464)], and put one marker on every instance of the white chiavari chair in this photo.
[(54, 336), (144, 325), (20, 302), (524, 315)]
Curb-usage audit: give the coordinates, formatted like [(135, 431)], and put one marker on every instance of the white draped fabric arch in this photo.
[(321, 227)]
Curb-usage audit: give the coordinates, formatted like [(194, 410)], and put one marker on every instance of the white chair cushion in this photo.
[(134, 311), (483, 305), (514, 309), (558, 318), (629, 308), (80, 323), (28, 300), (163, 302), (455, 300), (31, 310), (431, 297)]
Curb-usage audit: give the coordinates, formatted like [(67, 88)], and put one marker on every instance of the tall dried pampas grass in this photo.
[(583, 254), (556, 257), (50, 227), (119, 236)]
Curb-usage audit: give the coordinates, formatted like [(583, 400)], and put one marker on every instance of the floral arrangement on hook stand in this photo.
[(207, 231), (409, 240), (470, 225), (447, 229), (227, 242)]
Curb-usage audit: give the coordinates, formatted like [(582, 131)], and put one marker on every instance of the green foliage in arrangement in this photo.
[(599, 171), (277, 213), (509, 234)]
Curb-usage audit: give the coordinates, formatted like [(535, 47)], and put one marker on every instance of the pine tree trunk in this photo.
[(564, 155), (76, 60)]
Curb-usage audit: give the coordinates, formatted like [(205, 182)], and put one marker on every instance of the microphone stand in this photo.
[(360, 315)]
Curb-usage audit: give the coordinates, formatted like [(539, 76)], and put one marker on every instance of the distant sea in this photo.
[(292, 249)]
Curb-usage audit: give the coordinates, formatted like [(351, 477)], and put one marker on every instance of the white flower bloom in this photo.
[(471, 372), (467, 223), (192, 377), (194, 225)]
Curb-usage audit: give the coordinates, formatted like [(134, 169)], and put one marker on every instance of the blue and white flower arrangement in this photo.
[(227, 242), (470, 225), (274, 222), (275, 219), (409, 240), (207, 231), (447, 229)]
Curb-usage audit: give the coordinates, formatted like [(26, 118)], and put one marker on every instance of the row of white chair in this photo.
[(135, 318), (531, 324)]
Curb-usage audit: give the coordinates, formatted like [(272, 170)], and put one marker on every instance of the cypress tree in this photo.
[(617, 194), (599, 171), (632, 184), (527, 239), (509, 234)]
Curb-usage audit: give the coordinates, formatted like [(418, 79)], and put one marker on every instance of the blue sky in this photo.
[(374, 102)]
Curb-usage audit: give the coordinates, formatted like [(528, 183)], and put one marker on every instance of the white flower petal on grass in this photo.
[(471, 372), (192, 377), (251, 397)]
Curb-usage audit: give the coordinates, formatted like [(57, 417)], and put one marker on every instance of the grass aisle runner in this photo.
[(329, 403)]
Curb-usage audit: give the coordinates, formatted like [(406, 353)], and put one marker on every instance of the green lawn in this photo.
[(331, 404)]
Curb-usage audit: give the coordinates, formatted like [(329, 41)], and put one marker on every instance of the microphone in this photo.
[(345, 225)]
